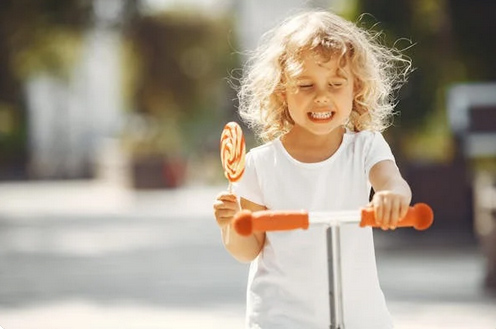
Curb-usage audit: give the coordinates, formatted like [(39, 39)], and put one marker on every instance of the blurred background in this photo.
[(110, 119)]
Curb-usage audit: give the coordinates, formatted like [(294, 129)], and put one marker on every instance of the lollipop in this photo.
[(232, 152)]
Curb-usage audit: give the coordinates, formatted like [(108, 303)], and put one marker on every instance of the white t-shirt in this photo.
[(288, 282)]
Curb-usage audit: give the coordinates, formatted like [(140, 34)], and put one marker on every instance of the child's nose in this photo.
[(322, 97)]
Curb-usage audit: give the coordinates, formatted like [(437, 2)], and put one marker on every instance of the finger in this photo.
[(226, 212), (395, 213), (225, 205), (404, 210), (226, 196), (386, 213), (224, 217), (377, 211), (223, 222)]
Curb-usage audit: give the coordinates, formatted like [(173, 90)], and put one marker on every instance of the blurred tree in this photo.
[(474, 24), (452, 43), (425, 24), (176, 90), (40, 36), (179, 62), (35, 36)]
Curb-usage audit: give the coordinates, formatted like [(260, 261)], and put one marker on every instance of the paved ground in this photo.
[(86, 255)]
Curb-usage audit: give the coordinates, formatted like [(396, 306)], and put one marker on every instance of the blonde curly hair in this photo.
[(378, 71)]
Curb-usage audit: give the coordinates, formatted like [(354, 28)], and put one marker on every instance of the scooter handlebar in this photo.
[(420, 216)]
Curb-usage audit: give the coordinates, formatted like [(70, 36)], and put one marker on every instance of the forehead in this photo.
[(333, 63)]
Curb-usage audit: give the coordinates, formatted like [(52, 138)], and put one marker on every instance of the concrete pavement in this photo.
[(92, 255)]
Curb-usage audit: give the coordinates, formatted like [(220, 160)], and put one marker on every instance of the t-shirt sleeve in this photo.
[(248, 187), (378, 150)]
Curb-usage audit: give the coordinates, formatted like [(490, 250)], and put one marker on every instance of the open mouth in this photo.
[(320, 116)]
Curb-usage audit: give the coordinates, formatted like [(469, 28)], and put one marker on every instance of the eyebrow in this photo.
[(303, 77)]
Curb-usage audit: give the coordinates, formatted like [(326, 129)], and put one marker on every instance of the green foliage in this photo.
[(451, 44), (473, 26), (42, 35), (179, 62), (35, 35), (426, 24)]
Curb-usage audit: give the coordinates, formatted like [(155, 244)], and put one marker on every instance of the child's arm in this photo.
[(392, 194), (244, 249)]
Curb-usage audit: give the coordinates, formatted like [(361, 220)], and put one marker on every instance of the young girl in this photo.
[(318, 92)]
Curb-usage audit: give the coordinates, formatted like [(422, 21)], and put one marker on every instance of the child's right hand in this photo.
[(225, 207)]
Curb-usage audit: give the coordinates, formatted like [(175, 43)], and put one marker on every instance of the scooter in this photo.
[(420, 216)]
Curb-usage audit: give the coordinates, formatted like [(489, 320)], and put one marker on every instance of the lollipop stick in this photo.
[(228, 229)]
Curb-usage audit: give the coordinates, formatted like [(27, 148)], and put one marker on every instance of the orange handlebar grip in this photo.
[(246, 222), (420, 216)]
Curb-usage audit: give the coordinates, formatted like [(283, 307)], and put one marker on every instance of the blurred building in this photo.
[(70, 117), (472, 116)]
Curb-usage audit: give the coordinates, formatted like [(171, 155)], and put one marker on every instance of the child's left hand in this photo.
[(389, 208)]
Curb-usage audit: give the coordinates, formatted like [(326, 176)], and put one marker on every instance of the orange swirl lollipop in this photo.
[(232, 152)]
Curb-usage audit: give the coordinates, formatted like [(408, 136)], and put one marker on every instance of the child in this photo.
[(318, 92)]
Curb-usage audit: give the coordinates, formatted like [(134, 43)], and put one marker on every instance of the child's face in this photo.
[(322, 97)]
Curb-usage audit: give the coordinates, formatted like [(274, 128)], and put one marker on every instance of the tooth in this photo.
[(321, 115)]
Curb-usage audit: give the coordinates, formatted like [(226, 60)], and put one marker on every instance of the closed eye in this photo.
[(337, 84)]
